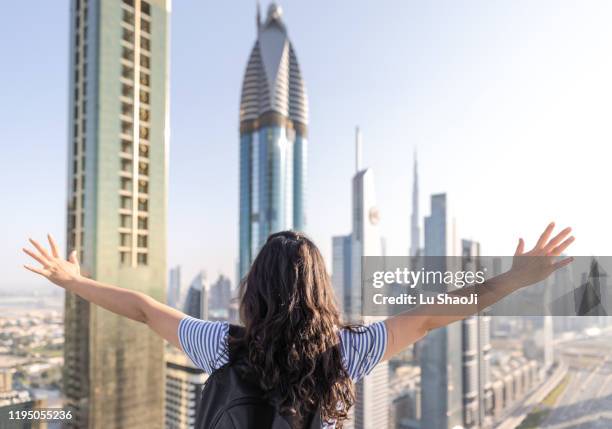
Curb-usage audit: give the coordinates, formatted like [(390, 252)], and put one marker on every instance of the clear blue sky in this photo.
[(509, 104)]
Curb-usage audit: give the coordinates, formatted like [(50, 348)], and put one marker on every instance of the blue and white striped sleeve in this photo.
[(205, 342), (362, 348)]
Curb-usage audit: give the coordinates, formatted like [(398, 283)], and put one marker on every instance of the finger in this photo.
[(53, 244), (562, 263), (545, 235), (73, 257), (558, 239), (40, 271), (41, 249), (561, 247), (520, 248), (35, 256)]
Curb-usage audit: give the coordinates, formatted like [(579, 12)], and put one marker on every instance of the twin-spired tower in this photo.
[(273, 139)]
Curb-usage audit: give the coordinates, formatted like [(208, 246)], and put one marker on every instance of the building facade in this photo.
[(184, 382), (441, 359), (372, 392), (174, 287), (116, 208), (273, 139), (197, 299)]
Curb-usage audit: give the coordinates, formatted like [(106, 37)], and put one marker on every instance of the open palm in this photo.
[(541, 261), (55, 268)]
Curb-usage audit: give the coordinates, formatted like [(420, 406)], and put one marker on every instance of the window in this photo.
[(143, 187), (129, 2), (128, 35), (144, 133), (125, 221), (126, 165), (126, 127), (127, 72), (143, 204), (144, 115), (145, 61), (145, 8), (143, 223), (145, 43), (144, 150), (142, 241), (145, 25), (126, 202), (127, 54), (125, 239), (128, 17), (124, 258), (126, 184), (126, 146), (127, 90), (143, 168), (144, 79), (144, 97), (142, 259), (127, 108)]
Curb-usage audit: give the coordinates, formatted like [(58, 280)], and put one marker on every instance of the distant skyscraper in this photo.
[(197, 299), (174, 287), (273, 139), (415, 230), (441, 357), (341, 271), (219, 298), (372, 393), (184, 383), (476, 349), (118, 141)]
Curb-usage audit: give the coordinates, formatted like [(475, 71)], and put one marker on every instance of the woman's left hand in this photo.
[(541, 261)]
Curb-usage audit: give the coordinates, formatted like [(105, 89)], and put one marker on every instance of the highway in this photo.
[(586, 402)]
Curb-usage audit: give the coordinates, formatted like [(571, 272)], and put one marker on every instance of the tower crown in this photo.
[(272, 81)]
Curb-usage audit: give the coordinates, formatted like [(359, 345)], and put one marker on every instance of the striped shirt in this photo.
[(206, 344)]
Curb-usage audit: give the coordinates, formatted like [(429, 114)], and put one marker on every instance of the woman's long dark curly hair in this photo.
[(291, 325)]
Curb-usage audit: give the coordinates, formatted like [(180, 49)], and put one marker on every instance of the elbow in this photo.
[(143, 311)]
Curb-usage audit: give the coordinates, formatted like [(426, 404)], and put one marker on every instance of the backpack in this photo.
[(230, 400)]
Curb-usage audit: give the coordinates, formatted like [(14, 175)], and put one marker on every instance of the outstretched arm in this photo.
[(527, 268), (162, 319)]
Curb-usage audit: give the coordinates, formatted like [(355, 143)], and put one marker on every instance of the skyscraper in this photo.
[(174, 287), (273, 139), (476, 349), (197, 299), (415, 230), (372, 392), (117, 179), (441, 357), (341, 271), (184, 383)]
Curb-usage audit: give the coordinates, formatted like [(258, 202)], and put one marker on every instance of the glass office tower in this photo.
[(116, 208), (273, 139)]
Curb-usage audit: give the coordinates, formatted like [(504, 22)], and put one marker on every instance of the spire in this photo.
[(357, 149), (415, 230), (258, 17)]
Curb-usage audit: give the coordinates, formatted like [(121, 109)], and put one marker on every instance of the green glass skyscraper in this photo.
[(273, 139), (117, 183)]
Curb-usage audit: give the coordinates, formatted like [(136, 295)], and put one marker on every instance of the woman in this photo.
[(296, 345)]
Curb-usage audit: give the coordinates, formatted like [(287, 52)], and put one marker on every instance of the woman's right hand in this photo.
[(53, 267)]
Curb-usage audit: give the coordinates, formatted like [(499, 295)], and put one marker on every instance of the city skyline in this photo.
[(517, 88)]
